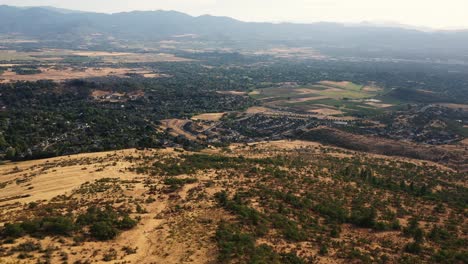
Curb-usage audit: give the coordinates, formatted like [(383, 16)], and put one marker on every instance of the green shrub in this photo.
[(27, 247), (57, 225), (103, 231), (126, 223), (413, 248), (13, 230)]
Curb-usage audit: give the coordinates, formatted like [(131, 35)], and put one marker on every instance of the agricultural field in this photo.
[(325, 99), (61, 64), (60, 74), (64, 56)]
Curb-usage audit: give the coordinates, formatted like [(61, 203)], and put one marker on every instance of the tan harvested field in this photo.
[(68, 73), (232, 92), (326, 111), (266, 111), (209, 116), (9, 64), (258, 110), (57, 55), (152, 75), (323, 113), (456, 106)]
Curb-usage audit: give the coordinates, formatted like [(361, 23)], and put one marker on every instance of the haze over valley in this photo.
[(164, 137)]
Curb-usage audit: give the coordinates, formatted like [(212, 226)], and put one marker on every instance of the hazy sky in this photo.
[(427, 13)]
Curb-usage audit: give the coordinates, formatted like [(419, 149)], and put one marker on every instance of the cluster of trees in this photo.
[(293, 204), (43, 119), (236, 243), (23, 70), (249, 73), (103, 224), (237, 246)]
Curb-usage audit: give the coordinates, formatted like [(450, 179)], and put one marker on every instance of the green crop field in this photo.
[(344, 96)]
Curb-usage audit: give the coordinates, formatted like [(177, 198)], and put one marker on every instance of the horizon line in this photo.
[(376, 24)]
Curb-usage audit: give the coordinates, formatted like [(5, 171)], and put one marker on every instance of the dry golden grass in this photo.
[(259, 110), (162, 235), (209, 116), (177, 227), (47, 181), (232, 92)]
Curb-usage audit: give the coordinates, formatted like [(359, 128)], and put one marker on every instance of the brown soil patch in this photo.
[(258, 110), (209, 116), (176, 128), (151, 75)]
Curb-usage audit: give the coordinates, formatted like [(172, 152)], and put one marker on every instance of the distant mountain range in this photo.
[(48, 23)]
